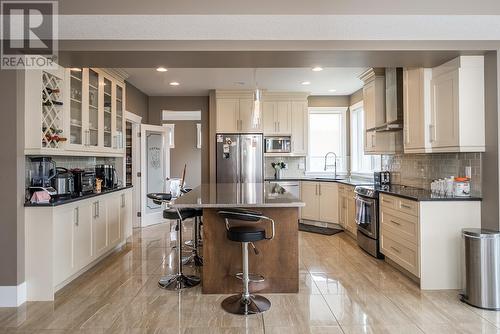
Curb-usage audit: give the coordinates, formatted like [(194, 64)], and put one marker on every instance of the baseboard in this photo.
[(13, 296)]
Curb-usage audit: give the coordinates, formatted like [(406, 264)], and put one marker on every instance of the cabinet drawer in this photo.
[(401, 224), (404, 255), (407, 206), (387, 201)]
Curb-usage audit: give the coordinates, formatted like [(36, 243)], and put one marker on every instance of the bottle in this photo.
[(50, 90)]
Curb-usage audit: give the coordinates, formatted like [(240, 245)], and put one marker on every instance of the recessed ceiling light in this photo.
[(332, 90), (161, 69), (317, 68), (306, 83), (174, 83), (75, 69)]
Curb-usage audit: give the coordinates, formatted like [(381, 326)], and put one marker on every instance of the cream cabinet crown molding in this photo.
[(371, 73), (234, 94), (284, 96), (118, 73)]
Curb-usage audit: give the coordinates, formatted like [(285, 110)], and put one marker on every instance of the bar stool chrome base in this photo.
[(193, 259), (255, 304), (178, 281)]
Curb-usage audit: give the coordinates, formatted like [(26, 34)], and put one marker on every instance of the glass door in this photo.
[(76, 111), (93, 130), (119, 117), (107, 113)]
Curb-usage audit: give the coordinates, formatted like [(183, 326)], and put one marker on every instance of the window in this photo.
[(360, 163), (326, 134)]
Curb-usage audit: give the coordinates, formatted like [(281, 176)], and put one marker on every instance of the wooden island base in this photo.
[(277, 261)]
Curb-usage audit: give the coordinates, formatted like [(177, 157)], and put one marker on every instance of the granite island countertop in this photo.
[(237, 195)]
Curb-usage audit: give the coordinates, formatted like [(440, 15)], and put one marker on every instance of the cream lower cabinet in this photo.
[(321, 201), (424, 240), (64, 241), (347, 209)]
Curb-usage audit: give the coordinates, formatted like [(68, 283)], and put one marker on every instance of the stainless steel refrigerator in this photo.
[(240, 158)]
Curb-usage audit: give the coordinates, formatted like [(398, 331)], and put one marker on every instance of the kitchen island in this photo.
[(278, 259)]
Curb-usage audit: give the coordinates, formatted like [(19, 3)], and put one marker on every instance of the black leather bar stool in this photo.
[(195, 257), (246, 234), (178, 280)]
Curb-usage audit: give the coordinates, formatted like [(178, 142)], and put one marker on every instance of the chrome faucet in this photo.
[(334, 163)]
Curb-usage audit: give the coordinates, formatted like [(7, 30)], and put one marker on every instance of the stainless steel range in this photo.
[(367, 220)]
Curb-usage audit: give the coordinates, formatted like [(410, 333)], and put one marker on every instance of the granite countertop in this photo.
[(66, 200), (346, 180), (422, 195), (237, 195)]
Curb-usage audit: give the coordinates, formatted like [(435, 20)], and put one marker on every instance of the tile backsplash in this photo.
[(75, 162), (419, 170), (293, 169)]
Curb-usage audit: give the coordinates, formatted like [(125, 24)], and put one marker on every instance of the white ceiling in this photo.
[(198, 81)]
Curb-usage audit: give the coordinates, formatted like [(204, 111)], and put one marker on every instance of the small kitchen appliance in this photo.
[(382, 178), (84, 181), (63, 182), (107, 173), (40, 173), (278, 144)]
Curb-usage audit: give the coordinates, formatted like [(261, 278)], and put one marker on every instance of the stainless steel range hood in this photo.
[(393, 100)]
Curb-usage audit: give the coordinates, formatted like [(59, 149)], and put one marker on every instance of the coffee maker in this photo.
[(41, 172), (107, 173)]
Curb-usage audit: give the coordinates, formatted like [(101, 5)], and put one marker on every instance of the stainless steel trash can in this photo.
[(482, 268)]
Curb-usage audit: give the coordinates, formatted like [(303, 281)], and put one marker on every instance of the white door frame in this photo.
[(135, 120), (156, 217)]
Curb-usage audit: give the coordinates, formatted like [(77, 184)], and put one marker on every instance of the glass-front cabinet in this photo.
[(96, 111), (93, 109), (77, 132)]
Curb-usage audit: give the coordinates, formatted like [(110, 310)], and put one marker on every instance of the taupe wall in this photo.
[(136, 101), (356, 97), (12, 180), (328, 101), (490, 186), (185, 152), (184, 103)]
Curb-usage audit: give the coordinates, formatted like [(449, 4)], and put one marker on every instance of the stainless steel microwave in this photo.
[(278, 145)]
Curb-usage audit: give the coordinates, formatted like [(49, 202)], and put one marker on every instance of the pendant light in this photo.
[(256, 101)]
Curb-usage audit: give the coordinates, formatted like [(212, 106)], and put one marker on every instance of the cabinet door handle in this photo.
[(279, 126), (374, 138), (386, 201), (395, 249), (77, 218), (395, 222), (406, 206), (123, 200), (431, 133), (319, 185)]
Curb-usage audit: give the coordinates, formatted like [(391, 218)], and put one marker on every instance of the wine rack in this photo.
[(52, 111)]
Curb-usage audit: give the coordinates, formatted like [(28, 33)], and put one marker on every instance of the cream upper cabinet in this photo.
[(444, 107), (284, 117), (269, 117), (416, 108), (328, 197), (235, 113), (457, 106), (246, 117), (227, 115), (309, 195), (277, 117), (300, 127)]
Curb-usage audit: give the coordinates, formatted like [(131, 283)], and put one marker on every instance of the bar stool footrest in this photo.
[(254, 278)]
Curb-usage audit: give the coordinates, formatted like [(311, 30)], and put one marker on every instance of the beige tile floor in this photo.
[(342, 290)]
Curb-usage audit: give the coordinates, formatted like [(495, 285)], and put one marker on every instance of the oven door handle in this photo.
[(361, 199)]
